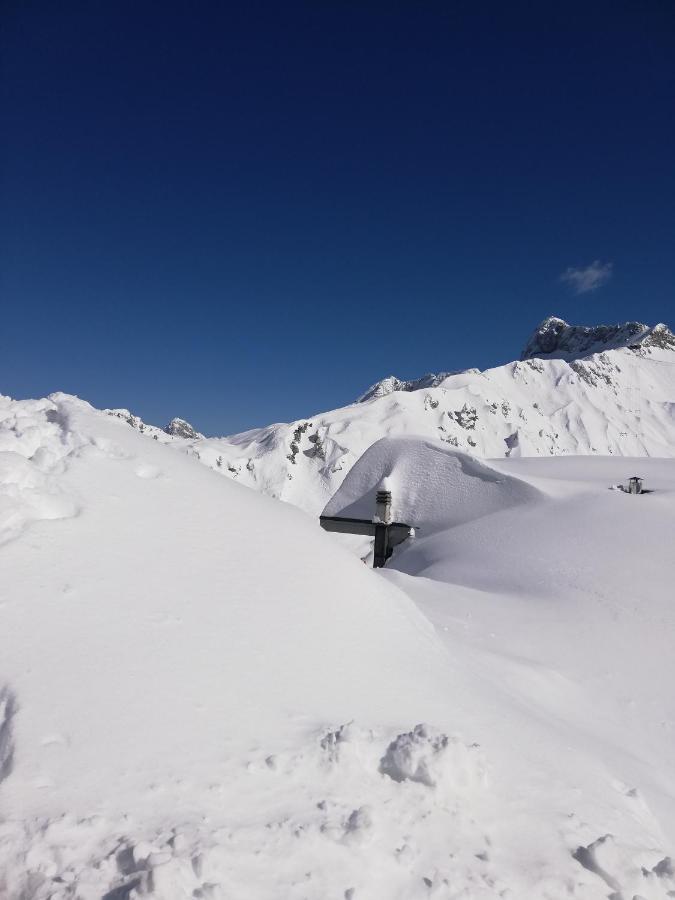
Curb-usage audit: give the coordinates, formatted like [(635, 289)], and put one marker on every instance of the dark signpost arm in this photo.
[(387, 534)]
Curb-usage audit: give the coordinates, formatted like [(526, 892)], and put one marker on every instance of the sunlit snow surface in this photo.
[(204, 695)]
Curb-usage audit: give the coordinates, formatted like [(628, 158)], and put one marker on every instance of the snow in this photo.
[(167, 636), (555, 599), (204, 695), (431, 485)]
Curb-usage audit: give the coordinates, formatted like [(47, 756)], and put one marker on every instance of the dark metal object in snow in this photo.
[(387, 534), (634, 485)]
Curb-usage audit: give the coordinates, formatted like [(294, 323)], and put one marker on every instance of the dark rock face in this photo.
[(554, 338), (661, 337), (183, 429)]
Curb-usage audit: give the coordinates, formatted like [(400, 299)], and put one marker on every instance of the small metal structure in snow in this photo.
[(634, 485), (387, 534)]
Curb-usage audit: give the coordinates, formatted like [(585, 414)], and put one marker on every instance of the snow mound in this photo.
[(155, 644), (32, 449), (432, 758), (567, 534), (432, 485)]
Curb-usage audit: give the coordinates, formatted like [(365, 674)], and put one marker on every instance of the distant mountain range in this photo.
[(607, 390)]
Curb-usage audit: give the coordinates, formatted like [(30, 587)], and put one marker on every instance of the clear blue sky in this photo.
[(247, 212)]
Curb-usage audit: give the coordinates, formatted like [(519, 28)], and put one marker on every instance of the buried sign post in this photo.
[(387, 534)]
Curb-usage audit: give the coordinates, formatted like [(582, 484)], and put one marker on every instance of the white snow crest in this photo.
[(33, 444)]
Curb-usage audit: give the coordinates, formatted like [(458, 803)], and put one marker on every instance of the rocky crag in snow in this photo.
[(607, 390), (555, 339), (177, 428)]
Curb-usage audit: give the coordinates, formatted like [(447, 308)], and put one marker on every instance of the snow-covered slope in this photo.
[(554, 593), (177, 655), (608, 390), (203, 697)]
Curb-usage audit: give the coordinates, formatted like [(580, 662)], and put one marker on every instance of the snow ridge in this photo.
[(617, 402), (392, 383), (606, 390), (552, 339), (177, 428)]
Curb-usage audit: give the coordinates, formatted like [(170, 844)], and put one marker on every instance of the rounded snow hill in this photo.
[(433, 486), (171, 620)]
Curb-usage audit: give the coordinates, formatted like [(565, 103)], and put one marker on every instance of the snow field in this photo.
[(163, 642), (202, 695), (554, 594)]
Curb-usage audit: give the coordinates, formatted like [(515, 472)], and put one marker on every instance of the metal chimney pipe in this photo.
[(383, 507), (635, 485)]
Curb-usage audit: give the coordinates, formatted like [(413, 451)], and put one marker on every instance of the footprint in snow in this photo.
[(145, 470)]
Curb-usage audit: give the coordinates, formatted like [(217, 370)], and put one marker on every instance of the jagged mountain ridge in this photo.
[(177, 428), (608, 390), (553, 339), (392, 383)]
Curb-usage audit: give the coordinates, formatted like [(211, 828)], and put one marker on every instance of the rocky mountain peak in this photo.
[(554, 338), (180, 428), (392, 383)]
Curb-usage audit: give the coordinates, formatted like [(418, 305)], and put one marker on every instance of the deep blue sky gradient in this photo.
[(248, 212)]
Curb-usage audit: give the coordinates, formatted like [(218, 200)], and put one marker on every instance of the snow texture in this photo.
[(554, 593), (171, 650)]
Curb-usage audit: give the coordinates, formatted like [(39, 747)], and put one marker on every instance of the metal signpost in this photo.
[(387, 534)]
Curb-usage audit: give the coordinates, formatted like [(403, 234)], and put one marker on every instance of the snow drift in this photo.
[(432, 485), (554, 591), (169, 636)]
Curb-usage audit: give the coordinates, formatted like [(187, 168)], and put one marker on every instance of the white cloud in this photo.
[(588, 279)]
